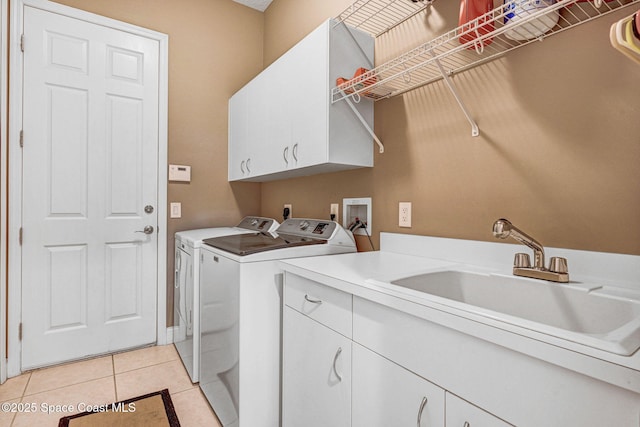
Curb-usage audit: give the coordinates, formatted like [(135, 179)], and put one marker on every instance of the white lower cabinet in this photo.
[(461, 413), (316, 373), (385, 394), (386, 367), (328, 379)]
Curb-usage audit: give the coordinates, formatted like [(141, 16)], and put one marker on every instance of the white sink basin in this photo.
[(608, 323)]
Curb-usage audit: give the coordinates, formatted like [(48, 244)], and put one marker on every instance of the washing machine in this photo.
[(186, 336), (241, 305)]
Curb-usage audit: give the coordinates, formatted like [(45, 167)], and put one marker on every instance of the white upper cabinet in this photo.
[(286, 125)]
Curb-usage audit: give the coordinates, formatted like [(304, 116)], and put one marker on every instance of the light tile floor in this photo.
[(102, 381)]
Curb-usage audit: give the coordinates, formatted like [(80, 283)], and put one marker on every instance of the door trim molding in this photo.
[(4, 25), (15, 165)]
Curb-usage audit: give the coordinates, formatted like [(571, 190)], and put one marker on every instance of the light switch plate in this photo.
[(176, 210)]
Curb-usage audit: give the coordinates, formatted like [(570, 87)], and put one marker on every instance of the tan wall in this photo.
[(558, 155), (215, 47)]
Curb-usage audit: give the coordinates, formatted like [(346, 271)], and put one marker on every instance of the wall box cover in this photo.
[(180, 173), (359, 208)]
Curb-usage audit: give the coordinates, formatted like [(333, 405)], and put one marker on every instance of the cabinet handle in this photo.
[(247, 164), (335, 358), (285, 155), (295, 152), (421, 410), (315, 301)]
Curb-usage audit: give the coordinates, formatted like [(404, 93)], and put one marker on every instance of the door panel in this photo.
[(124, 152), (67, 286), (123, 282), (67, 168), (90, 123)]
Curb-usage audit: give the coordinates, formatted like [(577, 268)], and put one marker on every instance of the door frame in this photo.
[(4, 26), (15, 166)]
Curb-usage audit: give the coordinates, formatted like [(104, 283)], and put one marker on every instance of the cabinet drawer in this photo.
[(328, 306), (461, 413)]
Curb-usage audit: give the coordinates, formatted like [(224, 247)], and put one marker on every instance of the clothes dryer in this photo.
[(186, 336)]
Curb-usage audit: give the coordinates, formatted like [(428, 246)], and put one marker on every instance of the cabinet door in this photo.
[(316, 389), (309, 92), (238, 135), (278, 110), (461, 413), (385, 394)]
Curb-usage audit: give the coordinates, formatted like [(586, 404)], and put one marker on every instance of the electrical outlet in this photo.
[(334, 210), (404, 214), (288, 205)]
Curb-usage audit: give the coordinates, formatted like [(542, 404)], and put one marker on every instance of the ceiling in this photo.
[(260, 5)]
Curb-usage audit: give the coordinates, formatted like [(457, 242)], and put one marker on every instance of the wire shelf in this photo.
[(481, 40), (379, 16)]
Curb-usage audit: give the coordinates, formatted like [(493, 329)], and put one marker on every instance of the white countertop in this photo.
[(353, 273)]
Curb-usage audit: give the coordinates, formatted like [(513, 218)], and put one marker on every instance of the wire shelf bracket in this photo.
[(475, 131), (365, 124)]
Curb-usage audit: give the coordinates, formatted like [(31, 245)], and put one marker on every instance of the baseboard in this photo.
[(170, 334)]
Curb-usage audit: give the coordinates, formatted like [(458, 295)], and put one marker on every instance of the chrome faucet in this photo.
[(557, 271)]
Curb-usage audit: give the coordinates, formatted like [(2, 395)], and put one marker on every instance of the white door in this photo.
[(90, 122)]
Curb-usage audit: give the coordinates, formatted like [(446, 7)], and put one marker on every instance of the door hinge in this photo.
[(21, 138), (22, 42), (20, 236), (20, 331)]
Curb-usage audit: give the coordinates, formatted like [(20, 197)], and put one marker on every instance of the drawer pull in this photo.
[(314, 301), (335, 358), (421, 410)]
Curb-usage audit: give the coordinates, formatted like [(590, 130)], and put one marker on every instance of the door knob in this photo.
[(147, 230)]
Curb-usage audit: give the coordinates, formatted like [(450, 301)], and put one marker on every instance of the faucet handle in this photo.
[(522, 260), (558, 265)]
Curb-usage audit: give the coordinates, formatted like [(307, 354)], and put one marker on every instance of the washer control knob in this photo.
[(304, 225)]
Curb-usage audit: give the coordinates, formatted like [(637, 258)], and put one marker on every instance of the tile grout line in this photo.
[(22, 396), (147, 366), (66, 385), (115, 384), (26, 386)]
